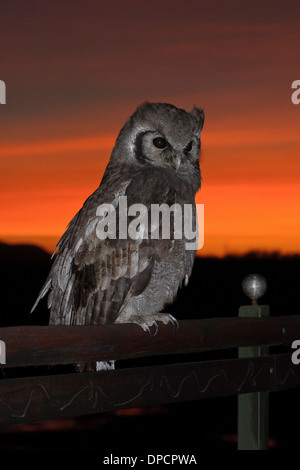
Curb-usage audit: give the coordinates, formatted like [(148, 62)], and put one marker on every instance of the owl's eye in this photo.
[(189, 146), (160, 142)]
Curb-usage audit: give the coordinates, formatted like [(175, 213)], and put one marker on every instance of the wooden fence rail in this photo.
[(72, 394), (44, 345)]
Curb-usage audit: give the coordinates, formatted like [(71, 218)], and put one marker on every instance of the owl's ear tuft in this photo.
[(200, 117)]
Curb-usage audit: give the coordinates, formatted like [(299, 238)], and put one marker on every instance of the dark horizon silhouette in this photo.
[(214, 288)]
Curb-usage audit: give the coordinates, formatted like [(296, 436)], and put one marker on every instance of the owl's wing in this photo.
[(92, 278)]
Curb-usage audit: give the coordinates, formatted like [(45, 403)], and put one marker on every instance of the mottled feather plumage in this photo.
[(95, 281)]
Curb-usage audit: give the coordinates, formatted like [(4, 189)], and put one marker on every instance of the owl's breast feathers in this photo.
[(92, 279)]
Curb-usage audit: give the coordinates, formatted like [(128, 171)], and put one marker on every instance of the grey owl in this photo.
[(97, 280)]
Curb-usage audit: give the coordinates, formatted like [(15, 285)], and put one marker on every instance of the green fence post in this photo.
[(253, 408)]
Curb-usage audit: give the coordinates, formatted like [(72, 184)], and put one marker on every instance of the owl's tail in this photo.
[(95, 366), (107, 365)]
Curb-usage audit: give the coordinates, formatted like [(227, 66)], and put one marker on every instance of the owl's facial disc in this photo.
[(166, 155), (153, 147)]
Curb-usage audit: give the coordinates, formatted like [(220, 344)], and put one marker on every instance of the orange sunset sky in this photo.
[(75, 70)]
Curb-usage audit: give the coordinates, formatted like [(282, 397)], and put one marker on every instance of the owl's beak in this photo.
[(176, 161)]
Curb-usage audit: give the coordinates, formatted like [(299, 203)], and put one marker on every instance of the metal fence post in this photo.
[(253, 408)]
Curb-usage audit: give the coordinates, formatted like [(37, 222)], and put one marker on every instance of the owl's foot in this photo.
[(166, 318), (145, 321)]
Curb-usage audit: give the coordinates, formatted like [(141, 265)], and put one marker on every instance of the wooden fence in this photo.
[(56, 395)]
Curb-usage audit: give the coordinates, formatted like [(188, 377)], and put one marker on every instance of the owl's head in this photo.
[(161, 135)]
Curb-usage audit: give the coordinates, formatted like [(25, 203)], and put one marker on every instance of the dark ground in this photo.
[(206, 425)]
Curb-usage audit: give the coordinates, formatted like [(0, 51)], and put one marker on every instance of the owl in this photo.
[(116, 278)]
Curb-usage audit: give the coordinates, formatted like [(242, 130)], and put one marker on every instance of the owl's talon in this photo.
[(145, 322), (156, 328), (146, 328), (174, 323)]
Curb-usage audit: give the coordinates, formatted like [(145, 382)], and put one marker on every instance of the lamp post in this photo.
[(253, 408)]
